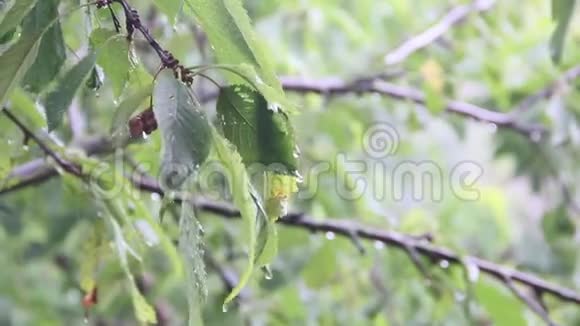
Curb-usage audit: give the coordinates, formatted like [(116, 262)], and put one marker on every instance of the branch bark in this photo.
[(337, 86)]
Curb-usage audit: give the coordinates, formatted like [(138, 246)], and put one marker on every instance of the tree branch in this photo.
[(65, 165), (133, 22), (529, 301), (335, 86), (391, 238), (454, 17)]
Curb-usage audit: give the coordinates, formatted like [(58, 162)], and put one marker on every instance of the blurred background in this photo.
[(503, 189)]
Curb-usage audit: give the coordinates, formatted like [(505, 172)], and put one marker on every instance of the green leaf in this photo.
[(58, 100), (92, 251), (121, 207), (51, 51), (562, 12), (184, 127), (144, 312), (240, 188), (27, 109), (114, 56), (261, 135), (15, 62), (15, 14), (191, 247), (502, 306), (171, 8), (228, 27)]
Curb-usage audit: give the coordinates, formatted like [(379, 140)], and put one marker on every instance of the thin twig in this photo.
[(65, 165), (133, 22), (390, 238), (454, 17), (567, 77), (529, 301)]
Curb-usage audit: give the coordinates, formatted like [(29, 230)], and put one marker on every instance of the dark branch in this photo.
[(530, 301), (133, 22), (394, 239), (65, 165), (335, 86), (37, 171)]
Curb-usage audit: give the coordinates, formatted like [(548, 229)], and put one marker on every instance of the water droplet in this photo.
[(86, 320), (330, 235), (224, 308), (536, 136), (115, 102), (25, 148), (379, 245), (459, 296), (131, 207), (144, 135), (299, 177), (492, 127), (268, 274), (10, 142), (472, 272), (444, 263)]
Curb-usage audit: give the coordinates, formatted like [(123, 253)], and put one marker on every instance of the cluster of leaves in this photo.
[(252, 118), (55, 55)]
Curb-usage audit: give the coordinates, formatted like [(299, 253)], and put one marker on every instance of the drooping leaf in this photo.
[(191, 247), (562, 12), (13, 17), (114, 56), (27, 109), (58, 100), (52, 52), (16, 61), (228, 27), (184, 128), (92, 252), (143, 311), (240, 188), (126, 217), (261, 135)]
